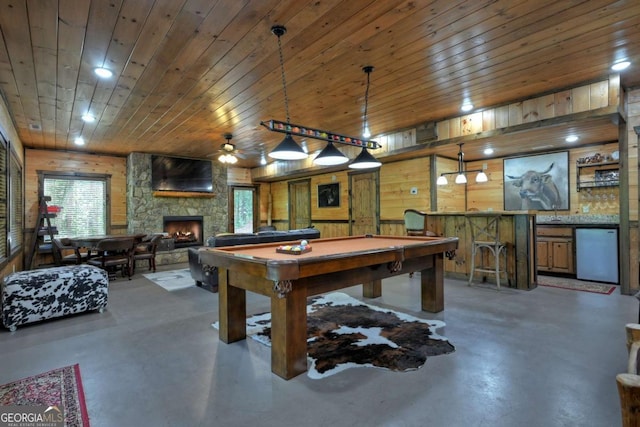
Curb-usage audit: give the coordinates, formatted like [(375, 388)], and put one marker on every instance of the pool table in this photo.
[(332, 264)]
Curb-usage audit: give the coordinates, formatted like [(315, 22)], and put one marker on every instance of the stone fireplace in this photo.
[(147, 210), (184, 230)]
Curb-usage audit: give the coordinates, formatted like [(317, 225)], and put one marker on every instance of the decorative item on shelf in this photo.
[(595, 158), (607, 178), (288, 149), (461, 177), (54, 209)]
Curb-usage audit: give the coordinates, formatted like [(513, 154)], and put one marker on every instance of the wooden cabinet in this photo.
[(555, 251)]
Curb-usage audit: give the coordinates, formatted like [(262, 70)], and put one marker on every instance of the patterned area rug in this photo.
[(344, 332), (172, 280), (575, 285), (53, 394)]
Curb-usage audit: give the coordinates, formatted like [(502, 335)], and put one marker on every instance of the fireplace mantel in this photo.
[(183, 194)]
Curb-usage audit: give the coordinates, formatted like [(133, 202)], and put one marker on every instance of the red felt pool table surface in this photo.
[(332, 264), (347, 246)]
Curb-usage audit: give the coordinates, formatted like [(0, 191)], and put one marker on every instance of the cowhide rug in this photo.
[(345, 332)]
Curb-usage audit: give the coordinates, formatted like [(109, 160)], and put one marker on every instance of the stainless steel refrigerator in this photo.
[(597, 254)]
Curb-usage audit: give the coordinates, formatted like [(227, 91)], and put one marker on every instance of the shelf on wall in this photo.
[(599, 184), (183, 194), (605, 174), (596, 165)]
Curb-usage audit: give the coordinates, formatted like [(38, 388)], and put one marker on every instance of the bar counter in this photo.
[(517, 231)]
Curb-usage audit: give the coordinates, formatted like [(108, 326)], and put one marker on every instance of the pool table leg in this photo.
[(372, 289), (289, 333), (232, 303), (432, 285)]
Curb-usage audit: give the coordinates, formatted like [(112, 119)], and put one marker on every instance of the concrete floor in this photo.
[(546, 357)]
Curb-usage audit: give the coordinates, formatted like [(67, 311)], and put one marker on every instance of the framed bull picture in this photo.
[(329, 195), (539, 182)]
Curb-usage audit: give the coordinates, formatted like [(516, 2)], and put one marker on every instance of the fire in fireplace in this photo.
[(184, 230)]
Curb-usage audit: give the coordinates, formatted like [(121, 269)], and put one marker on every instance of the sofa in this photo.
[(209, 279), (35, 295)]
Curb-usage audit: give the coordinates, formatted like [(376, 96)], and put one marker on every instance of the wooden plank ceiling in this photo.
[(189, 71)]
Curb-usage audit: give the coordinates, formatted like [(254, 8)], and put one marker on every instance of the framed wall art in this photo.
[(329, 195), (538, 182)]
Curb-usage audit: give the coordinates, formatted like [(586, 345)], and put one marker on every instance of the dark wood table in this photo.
[(332, 264), (90, 241)]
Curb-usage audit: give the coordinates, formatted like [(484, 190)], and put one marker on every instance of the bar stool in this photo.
[(487, 236)]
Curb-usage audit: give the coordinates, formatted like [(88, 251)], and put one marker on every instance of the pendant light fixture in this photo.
[(365, 160), (288, 149), (330, 156), (461, 174)]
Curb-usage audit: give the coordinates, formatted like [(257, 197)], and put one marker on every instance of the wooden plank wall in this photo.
[(396, 182), (60, 161), (518, 268), (264, 191), (449, 197), (239, 176), (397, 179), (579, 99), (331, 221), (490, 195), (582, 98), (280, 204), (633, 121)]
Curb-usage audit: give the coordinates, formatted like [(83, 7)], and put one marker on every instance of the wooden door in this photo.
[(243, 209), (299, 204), (364, 204)]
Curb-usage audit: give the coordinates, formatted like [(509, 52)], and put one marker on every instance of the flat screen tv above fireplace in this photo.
[(181, 174)]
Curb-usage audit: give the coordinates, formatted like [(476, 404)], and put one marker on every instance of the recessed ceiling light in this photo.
[(105, 73), (467, 106), (571, 138), (88, 118), (619, 66), (79, 141), (488, 151)]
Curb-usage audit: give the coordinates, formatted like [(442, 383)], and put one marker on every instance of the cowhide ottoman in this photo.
[(31, 296)]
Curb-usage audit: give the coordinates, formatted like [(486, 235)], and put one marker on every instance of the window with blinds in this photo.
[(3, 199), (15, 205), (83, 201)]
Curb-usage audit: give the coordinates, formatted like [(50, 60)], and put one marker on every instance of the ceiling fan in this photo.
[(228, 152)]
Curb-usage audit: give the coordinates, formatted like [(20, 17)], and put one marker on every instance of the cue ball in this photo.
[(304, 243)]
